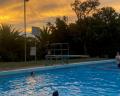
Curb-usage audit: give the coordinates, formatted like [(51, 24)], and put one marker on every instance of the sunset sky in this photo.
[(39, 12)]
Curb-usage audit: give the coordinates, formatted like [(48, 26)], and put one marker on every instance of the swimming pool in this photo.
[(98, 78)]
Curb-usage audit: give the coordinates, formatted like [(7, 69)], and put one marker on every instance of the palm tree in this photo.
[(11, 43), (43, 40), (43, 36)]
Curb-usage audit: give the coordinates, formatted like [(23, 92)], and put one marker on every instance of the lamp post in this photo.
[(25, 46)]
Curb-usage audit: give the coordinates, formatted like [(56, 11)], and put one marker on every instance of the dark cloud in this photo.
[(48, 7), (8, 3), (2, 2), (45, 7)]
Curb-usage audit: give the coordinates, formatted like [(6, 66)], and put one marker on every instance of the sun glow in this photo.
[(4, 18)]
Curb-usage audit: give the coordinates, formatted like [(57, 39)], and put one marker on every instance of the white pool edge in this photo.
[(53, 67)]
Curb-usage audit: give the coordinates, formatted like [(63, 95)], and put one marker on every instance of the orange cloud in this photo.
[(39, 12)]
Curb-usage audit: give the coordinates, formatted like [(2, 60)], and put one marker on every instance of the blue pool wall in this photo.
[(55, 67)]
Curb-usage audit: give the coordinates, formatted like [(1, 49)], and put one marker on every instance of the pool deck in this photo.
[(53, 67)]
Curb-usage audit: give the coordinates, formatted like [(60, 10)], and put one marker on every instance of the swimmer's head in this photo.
[(32, 73), (55, 93)]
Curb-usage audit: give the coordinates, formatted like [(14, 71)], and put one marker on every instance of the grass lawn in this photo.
[(18, 65)]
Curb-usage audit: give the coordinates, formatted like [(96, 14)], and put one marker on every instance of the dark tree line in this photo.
[(96, 32)]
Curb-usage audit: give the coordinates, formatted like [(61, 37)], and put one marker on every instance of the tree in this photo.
[(59, 31), (11, 43), (75, 40), (85, 8), (107, 29), (106, 15), (44, 34), (42, 40), (84, 11)]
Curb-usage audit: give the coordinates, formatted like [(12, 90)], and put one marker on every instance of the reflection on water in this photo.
[(38, 85), (30, 81)]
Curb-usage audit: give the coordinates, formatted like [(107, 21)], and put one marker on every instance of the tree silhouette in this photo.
[(84, 10), (11, 43)]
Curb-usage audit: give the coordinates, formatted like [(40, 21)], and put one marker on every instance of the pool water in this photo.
[(84, 80)]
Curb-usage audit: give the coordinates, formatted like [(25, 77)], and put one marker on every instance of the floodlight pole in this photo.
[(25, 46), (36, 51)]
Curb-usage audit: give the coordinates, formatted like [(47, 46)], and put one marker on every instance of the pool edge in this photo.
[(53, 67)]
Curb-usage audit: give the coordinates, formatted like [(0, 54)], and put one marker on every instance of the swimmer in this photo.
[(117, 57), (32, 74), (55, 93)]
